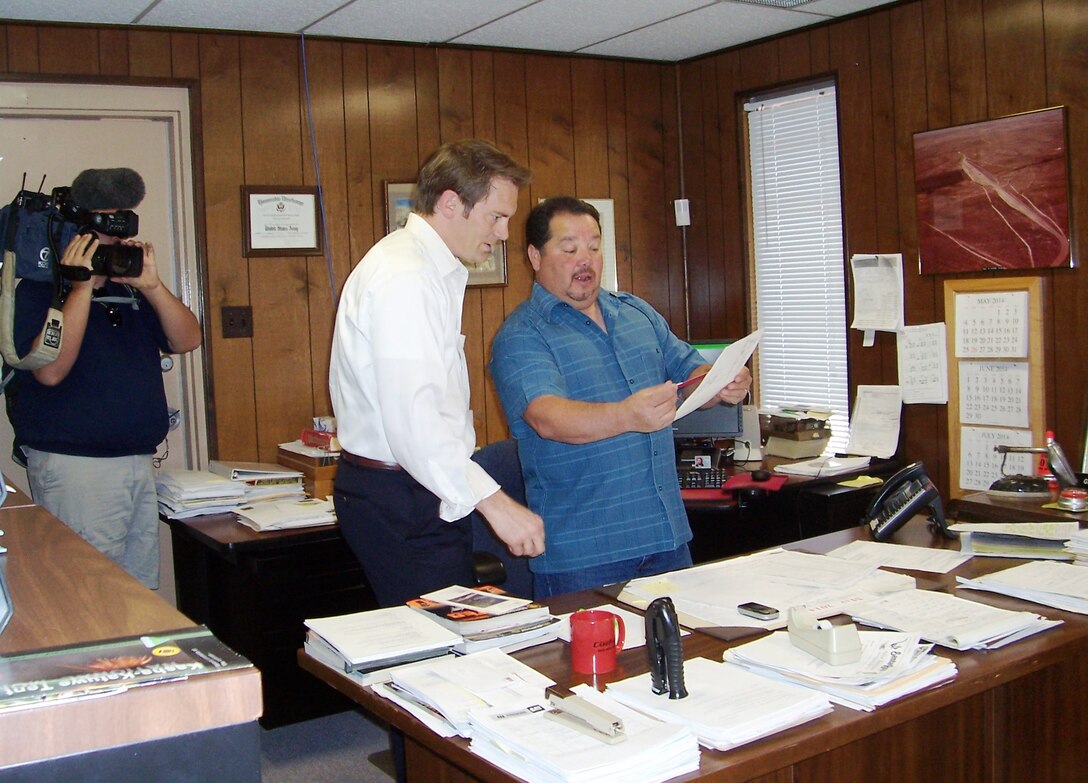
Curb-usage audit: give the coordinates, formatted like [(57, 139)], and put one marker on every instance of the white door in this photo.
[(55, 131)]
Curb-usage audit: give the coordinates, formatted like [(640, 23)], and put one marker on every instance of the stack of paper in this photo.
[(1077, 547), (379, 638), (261, 480), (914, 558), (708, 595), (823, 466), (1061, 585), (1035, 540), (442, 692), (286, 514), (892, 665), (950, 621), (530, 745), (726, 706), (189, 493)]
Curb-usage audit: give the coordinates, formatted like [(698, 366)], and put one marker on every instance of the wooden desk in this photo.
[(16, 498), (984, 506), (66, 592), (1014, 714), (253, 590)]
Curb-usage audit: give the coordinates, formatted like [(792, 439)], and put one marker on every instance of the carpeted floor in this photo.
[(345, 748)]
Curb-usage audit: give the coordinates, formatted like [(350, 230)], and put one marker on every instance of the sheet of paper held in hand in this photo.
[(724, 370)]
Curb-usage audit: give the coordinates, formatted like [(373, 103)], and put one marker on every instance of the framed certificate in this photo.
[(281, 221)]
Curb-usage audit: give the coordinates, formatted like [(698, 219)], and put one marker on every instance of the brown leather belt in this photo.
[(366, 462)]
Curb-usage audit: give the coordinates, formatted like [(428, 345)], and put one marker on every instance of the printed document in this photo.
[(874, 426), (878, 291), (724, 370)]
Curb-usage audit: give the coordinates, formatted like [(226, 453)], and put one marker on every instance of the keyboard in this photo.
[(701, 478)]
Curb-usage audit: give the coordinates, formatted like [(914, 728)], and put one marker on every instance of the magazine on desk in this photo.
[(80, 671)]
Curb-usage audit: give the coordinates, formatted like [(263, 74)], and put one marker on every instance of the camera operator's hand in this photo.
[(149, 275), (178, 322), (78, 254)]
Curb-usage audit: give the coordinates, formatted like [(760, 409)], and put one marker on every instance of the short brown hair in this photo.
[(466, 167)]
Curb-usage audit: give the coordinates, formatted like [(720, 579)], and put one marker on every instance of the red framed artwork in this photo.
[(994, 195)]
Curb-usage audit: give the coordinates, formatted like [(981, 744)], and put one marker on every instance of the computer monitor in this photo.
[(719, 422)]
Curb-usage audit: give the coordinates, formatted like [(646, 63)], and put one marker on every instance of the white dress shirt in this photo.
[(398, 377)]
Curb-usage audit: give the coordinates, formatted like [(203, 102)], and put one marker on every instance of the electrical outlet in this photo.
[(237, 322)]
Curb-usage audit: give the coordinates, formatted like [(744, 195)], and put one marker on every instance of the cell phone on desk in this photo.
[(757, 611)]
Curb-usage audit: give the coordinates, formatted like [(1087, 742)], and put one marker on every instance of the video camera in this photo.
[(108, 260), (45, 225)]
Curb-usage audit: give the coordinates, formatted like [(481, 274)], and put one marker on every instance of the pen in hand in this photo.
[(690, 381)]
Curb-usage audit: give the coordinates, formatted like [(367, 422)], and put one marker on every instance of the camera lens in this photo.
[(118, 261)]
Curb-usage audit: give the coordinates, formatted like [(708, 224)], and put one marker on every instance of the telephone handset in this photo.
[(904, 495)]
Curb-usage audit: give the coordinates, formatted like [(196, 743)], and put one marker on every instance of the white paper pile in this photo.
[(526, 743), (443, 691), (1034, 540), (286, 514), (1061, 585), (190, 493), (892, 665), (726, 706), (708, 595), (950, 621), (1077, 547)]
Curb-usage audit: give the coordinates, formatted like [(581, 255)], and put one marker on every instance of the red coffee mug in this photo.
[(595, 638)]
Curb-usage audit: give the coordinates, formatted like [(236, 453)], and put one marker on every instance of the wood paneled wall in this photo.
[(912, 67), (597, 128)]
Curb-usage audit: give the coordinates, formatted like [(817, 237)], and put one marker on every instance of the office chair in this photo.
[(492, 562)]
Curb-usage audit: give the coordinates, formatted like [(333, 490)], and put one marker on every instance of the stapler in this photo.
[(665, 649), (833, 644), (581, 715)]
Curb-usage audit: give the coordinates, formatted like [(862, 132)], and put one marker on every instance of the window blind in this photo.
[(800, 292)]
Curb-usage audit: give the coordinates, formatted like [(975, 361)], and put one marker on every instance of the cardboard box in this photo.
[(794, 449), (318, 488), (822, 433), (313, 468)]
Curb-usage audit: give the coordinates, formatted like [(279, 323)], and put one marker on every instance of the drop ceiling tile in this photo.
[(569, 25), (267, 16), (117, 12), (424, 21), (707, 29)]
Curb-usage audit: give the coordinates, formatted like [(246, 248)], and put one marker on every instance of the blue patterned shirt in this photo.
[(617, 498)]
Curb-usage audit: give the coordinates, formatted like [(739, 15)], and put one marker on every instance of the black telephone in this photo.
[(903, 496)]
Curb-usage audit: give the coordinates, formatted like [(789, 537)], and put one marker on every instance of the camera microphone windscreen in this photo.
[(97, 189)]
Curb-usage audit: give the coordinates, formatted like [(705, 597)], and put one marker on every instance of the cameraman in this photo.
[(90, 421)]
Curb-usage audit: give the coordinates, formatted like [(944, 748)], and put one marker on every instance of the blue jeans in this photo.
[(561, 582)]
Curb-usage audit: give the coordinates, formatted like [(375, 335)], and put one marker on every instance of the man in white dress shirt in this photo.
[(400, 390)]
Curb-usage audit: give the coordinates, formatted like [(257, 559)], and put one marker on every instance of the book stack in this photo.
[(795, 433), (261, 480), (523, 625), (318, 466)]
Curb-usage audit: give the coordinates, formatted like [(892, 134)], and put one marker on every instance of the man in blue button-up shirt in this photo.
[(587, 379)]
